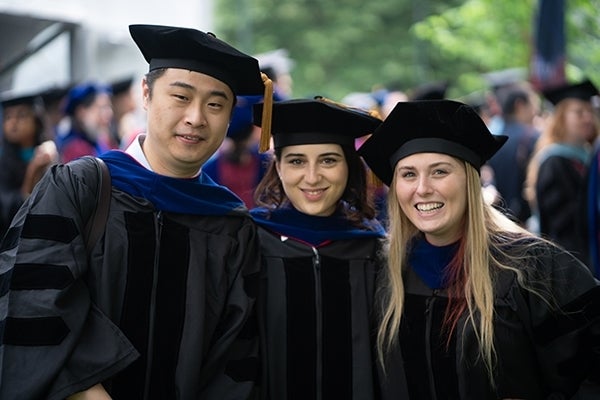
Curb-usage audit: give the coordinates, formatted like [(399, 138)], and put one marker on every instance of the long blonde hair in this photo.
[(483, 226)]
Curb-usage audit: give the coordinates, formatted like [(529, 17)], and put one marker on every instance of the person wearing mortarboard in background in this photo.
[(54, 98), (238, 164), (429, 91), (472, 306), (556, 176), (25, 155), (89, 111), (319, 246), (159, 307)]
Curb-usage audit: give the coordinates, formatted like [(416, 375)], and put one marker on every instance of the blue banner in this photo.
[(548, 54)]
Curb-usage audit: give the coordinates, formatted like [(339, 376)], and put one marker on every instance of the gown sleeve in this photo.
[(55, 341), (564, 317)]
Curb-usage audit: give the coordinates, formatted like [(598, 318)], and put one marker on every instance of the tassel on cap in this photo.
[(265, 135), (373, 113)]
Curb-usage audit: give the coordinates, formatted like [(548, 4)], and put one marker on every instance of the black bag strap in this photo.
[(97, 223)]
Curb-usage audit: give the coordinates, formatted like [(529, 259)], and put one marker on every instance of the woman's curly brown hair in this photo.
[(356, 201)]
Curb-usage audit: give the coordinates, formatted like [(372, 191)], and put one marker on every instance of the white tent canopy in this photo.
[(51, 43)]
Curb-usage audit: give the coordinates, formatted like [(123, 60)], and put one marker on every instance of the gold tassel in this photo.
[(265, 134), (375, 114), (372, 113), (327, 100)]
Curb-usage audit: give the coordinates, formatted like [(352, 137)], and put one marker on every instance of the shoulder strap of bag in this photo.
[(96, 224)]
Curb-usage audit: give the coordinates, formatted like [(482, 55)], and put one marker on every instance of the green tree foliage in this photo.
[(479, 36), (583, 35), (487, 35), (344, 46)]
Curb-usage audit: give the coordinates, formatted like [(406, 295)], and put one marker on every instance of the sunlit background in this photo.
[(49, 43)]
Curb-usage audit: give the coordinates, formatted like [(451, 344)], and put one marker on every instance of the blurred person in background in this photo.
[(278, 65), (557, 173), (370, 102), (499, 82), (509, 165), (429, 91), (126, 124), (89, 111), (54, 99), (25, 155), (238, 164), (389, 96)]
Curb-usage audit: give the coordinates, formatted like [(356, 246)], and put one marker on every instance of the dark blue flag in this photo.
[(548, 56)]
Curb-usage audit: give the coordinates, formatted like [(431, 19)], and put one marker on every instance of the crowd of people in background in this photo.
[(522, 189), (57, 125), (92, 117)]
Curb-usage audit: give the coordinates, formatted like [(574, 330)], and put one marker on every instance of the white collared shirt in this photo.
[(135, 150)]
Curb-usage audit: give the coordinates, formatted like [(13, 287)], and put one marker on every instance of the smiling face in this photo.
[(313, 176), (188, 114), (431, 191)]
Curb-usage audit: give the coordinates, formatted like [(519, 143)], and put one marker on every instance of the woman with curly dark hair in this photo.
[(319, 242)]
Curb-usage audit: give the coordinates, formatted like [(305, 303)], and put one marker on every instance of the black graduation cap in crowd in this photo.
[(583, 91), (54, 94), (121, 86), (9, 99), (314, 121), (430, 91), (501, 79), (438, 126)]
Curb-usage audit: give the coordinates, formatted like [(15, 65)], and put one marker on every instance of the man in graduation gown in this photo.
[(160, 307)]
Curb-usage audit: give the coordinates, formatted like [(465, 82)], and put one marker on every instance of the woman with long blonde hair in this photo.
[(475, 306)]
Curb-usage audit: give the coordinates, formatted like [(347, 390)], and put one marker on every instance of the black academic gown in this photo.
[(561, 199), (158, 311), (546, 349), (317, 307)]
